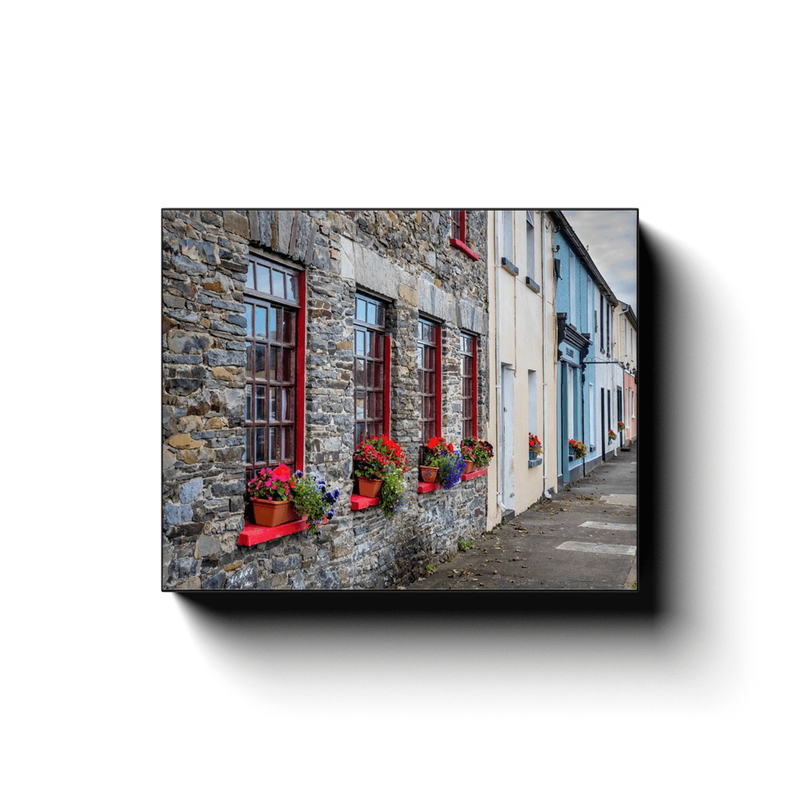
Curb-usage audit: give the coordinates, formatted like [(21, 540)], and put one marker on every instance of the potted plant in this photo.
[(578, 448), (312, 500), (611, 436), (534, 445), (372, 460), (479, 452), (271, 492), (446, 460), (620, 426)]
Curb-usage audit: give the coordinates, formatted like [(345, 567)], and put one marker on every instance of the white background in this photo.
[(113, 689)]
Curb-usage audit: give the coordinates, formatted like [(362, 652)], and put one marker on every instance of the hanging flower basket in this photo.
[(370, 487), (273, 512)]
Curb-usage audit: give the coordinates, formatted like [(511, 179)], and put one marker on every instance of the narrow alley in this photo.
[(582, 538)]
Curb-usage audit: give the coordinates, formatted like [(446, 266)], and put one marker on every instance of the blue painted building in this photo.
[(587, 374)]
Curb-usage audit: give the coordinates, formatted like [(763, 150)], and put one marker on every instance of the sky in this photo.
[(610, 237)]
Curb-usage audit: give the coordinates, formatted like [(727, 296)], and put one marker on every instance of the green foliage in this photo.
[(393, 498), (430, 569), (311, 499), (464, 544)]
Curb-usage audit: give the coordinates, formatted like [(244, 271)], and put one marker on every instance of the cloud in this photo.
[(610, 237)]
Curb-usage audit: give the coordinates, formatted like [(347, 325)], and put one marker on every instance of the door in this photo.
[(603, 433), (506, 457)]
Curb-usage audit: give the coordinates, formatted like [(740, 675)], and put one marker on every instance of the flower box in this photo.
[(271, 513)]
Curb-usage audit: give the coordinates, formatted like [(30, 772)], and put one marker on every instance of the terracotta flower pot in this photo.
[(429, 474), (469, 466), (369, 488), (270, 513)]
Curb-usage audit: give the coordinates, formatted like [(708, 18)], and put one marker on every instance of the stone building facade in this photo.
[(325, 272)]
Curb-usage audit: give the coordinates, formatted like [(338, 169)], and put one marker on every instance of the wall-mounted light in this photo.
[(558, 247)]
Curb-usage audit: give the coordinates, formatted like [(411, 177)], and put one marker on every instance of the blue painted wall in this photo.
[(583, 320)]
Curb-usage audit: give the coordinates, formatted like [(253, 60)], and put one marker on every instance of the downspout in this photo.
[(545, 364), (498, 383)]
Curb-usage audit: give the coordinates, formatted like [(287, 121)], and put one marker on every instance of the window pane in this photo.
[(288, 366), (248, 402), (261, 322), (371, 313), (274, 445), (261, 360), (381, 317), (359, 431), (273, 324), (273, 363), (249, 357), (250, 284), (288, 326), (248, 315), (278, 286), (291, 287), (273, 404), (261, 401), (420, 359), (288, 444), (360, 373), (360, 343), (262, 278), (248, 448), (361, 309), (359, 405), (377, 405), (287, 405), (259, 444)]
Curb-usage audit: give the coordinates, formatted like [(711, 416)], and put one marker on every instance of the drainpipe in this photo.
[(498, 371), (545, 365)]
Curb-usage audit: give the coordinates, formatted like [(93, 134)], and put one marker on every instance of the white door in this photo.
[(506, 456)]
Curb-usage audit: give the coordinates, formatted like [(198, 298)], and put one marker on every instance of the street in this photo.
[(582, 538)]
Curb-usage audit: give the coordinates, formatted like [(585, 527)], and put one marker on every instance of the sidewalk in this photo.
[(584, 538)]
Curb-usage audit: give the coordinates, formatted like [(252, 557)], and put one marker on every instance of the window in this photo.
[(530, 250), (274, 315), (469, 396), (458, 234), (508, 235), (592, 438), (573, 290), (532, 402), (589, 306), (371, 368), (429, 364)]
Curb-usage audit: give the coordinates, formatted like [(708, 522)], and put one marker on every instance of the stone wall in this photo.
[(402, 256)]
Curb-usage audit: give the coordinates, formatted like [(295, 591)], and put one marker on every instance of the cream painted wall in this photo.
[(522, 336)]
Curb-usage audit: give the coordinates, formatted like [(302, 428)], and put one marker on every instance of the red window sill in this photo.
[(256, 534), (358, 502), (470, 476), (426, 486), (459, 245)]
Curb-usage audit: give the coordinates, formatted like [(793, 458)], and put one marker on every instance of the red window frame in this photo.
[(468, 351), (458, 236), (429, 372), (371, 368), (274, 299)]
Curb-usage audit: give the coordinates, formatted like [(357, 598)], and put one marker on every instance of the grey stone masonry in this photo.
[(404, 258)]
